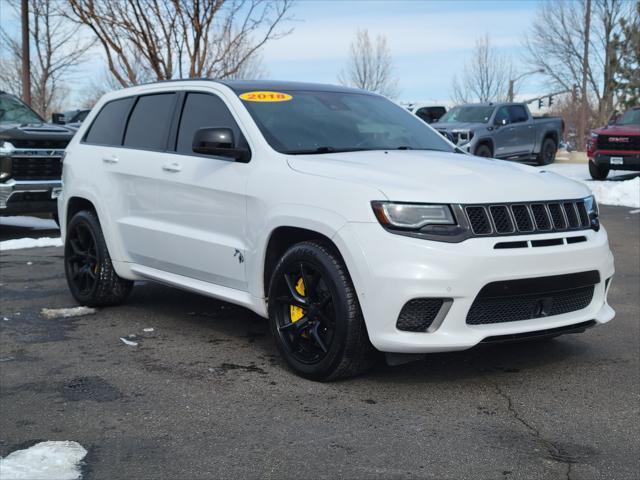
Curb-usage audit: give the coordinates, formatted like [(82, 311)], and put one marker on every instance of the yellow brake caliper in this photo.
[(295, 312)]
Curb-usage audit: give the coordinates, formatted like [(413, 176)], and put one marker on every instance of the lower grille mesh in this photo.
[(525, 307), (418, 314)]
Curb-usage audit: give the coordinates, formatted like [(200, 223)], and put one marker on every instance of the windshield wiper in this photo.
[(323, 149)]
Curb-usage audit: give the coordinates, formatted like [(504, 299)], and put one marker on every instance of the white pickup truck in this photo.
[(349, 223)]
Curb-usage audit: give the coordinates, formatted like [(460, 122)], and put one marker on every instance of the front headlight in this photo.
[(428, 221), (412, 215), (464, 136), (6, 149), (592, 211)]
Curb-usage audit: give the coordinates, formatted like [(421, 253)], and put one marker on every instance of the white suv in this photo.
[(347, 221)]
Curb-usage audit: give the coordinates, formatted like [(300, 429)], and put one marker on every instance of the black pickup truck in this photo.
[(31, 152)]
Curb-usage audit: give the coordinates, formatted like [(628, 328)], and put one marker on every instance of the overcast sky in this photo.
[(429, 41)]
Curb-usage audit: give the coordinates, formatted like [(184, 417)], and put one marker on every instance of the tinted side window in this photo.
[(430, 114), (517, 114), (149, 123), (108, 127), (501, 115), (203, 110)]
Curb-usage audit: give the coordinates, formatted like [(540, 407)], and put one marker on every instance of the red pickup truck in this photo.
[(616, 146)]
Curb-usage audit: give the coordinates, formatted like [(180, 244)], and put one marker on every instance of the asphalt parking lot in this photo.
[(204, 395)]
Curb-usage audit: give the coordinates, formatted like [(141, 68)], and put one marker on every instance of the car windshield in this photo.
[(13, 110), (630, 117), (475, 114), (326, 122)]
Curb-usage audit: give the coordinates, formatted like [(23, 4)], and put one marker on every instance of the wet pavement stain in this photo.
[(89, 388)]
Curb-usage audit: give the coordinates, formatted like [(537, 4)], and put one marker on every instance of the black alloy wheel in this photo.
[(483, 151), (307, 317), (90, 274), (314, 314), (548, 153), (82, 259)]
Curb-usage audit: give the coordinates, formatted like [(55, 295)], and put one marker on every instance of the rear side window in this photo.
[(431, 114), (108, 127), (517, 114), (203, 110), (149, 124)]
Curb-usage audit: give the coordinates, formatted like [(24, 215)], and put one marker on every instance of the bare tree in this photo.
[(56, 51), (485, 78), (370, 66), (557, 45), (165, 39), (627, 79)]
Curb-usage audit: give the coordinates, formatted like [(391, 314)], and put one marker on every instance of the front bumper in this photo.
[(389, 270), (29, 196), (611, 160)]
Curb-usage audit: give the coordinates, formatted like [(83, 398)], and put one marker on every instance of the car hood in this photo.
[(34, 129), (619, 130), (456, 126), (36, 134), (439, 177)]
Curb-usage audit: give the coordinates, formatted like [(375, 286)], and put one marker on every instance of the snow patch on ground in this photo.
[(18, 243), (51, 313), (129, 342), (625, 193), (44, 461), (29, 222)]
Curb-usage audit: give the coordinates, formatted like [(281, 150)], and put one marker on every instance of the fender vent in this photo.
[(418, 314)]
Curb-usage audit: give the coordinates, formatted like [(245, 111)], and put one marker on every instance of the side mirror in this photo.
[(219, 142), (501, 123), (57, 118)]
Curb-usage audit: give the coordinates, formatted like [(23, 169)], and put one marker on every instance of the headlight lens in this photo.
[(464, 136), (591, 204), (6, 149), (592, 211), (412, 216)]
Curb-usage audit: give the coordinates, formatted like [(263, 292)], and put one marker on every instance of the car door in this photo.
[(134, 171), (200, 209), (503, 134), (523, 131)]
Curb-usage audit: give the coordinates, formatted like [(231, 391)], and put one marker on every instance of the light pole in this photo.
[(513, 81)]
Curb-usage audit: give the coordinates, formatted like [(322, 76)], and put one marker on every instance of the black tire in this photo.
[(483, 151), (548, 151), (598, 172), (330, 340), (90, 275)]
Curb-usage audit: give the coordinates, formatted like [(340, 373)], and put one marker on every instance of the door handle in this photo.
[(171, 167), (112, 159)]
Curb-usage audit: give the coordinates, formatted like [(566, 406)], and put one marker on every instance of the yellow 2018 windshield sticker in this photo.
[(266, 97)]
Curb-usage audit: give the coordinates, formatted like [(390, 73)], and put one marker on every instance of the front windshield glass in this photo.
[(325, 122), (630, 117), (13, 110), (474, 114)]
